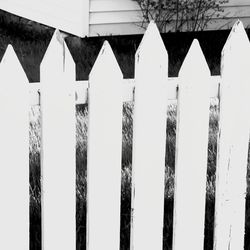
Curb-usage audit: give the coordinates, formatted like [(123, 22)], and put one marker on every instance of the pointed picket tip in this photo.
[(237, 47), (106, 65), (151, 48), (57, 57), (236, 38), (11, 69), (195, 64)]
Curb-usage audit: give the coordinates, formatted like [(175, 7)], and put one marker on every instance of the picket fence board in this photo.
[(58, 146), (58, 93), (104, 152), (191, 151), (149, 142), (233, 142), (14, 160)]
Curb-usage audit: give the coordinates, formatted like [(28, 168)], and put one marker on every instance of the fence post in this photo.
[(233, 141), (14, 160), (104, 152), (191, 151), (58, 146), (149, 142)]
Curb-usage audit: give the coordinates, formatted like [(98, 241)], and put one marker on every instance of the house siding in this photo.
[(122, 17), (107, 17)]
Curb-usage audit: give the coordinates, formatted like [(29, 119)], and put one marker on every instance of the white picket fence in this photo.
[(105, 93)]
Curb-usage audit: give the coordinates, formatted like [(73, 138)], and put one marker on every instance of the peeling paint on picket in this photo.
[(149, 142), (104, 152), (233, 142), (58, 146), (14, 157), (191, 151)]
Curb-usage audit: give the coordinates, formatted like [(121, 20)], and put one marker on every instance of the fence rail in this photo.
[(58, 93), (128, 89)]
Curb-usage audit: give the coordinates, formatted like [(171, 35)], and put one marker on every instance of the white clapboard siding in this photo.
[(149, 133), (107, 17), (124, 17), (233, 142), (135, 16), (104, 152), (58, 146), (111, 5), (14, 157), (191, 151)]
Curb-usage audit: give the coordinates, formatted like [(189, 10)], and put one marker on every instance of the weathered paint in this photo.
[(149, 133), (233, 141), (191, 151), (58, 146)]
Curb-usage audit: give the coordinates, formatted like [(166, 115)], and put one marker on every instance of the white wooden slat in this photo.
[(191, 151), (116, 17), (235, 11), (115, 29), (149, 141), (129, 28), (226, 23), (233, 142), (58, 146), (237, 3), (135, 16), (112, 5), (104, 152), (14, 160), (130, 5)]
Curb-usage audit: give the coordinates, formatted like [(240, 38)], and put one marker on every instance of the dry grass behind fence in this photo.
[(126, 168)]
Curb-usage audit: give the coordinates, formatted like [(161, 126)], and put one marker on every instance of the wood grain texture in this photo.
[(233, 140), (191, 151)]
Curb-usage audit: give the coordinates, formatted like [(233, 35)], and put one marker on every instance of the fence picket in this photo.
[(105, 96), (233, 142), (104, 152), (58, 146), (14, 160), (191, 151), (149, 142)]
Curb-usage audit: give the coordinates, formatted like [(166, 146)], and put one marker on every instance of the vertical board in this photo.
[(233, 142), (191, 151), (104, 152), (149, 142), (14, 157), (58, 146)]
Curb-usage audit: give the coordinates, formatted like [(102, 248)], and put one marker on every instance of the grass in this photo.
[(30, 41), (81, 164)]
